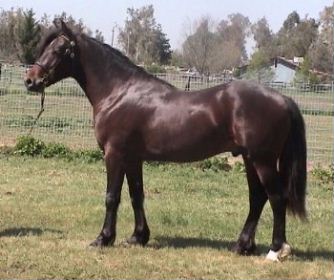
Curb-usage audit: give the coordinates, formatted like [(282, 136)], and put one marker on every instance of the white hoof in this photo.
[(280, 255)]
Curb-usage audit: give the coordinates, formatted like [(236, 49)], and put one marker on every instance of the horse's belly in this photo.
[(186, 149)]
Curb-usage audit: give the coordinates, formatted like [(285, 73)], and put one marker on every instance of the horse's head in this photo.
[(56, 59)]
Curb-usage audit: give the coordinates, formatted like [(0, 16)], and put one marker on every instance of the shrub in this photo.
[(89, 156), (325, 175), (29, 146), (56, 150)]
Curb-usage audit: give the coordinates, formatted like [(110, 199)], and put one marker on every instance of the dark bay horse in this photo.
[(138, 117)]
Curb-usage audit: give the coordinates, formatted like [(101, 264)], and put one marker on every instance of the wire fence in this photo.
[(68, 115)]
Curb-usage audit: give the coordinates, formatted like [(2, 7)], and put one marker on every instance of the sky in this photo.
[(173, 15)]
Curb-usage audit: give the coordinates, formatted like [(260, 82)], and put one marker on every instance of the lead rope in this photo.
[(39, 114)]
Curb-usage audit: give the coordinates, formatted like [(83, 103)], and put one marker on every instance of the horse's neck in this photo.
[(98, 76)]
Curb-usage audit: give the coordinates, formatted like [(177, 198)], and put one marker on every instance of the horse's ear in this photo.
[(57, 23), (64, 28)]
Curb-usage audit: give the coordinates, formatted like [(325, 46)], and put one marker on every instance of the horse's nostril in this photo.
[(28, 81)]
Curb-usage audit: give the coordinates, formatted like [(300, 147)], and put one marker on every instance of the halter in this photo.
[(47, 72), (68, 52)]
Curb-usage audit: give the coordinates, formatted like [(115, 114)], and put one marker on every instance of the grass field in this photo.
[(51, 209)]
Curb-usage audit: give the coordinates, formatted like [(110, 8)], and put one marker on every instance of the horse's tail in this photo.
[(293, 162)]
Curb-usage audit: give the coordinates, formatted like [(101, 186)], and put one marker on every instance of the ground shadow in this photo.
[(312, 255), (183, 242), (25, 231)]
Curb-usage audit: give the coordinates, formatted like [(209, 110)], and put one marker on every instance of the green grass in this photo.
[(51, 209)]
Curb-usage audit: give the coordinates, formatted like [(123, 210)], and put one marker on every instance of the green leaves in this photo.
[(29, 146)]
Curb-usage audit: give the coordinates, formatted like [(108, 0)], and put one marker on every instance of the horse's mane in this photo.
[(112, 54), (117, 55), (123, 61)]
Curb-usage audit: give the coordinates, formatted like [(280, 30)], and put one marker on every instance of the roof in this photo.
[(286, 62), (277, 60)]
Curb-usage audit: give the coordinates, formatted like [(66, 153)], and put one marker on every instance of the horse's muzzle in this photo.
[(34, 84)]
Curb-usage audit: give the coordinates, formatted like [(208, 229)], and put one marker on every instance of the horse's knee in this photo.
[(112, 200)]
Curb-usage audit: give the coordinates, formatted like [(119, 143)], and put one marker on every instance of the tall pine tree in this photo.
[(28, 36)]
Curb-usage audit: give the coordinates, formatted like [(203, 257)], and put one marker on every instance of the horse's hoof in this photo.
[(244, 249), (137, 240), (101, 241), (280, 255)]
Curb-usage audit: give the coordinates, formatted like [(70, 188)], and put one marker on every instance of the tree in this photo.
[(28, 36), (304, 74), (296, 36), (142, 38), (213, 50), (99, 36), (321, 52), (263, 37), (234, 32), (198, 47), (259, 67), (162, 47), (177, 59), (8, 25)]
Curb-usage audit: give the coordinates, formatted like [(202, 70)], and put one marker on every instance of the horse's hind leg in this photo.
[(134, 175), (274, 187), (257, 199)]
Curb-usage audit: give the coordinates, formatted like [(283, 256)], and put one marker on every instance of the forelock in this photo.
[(53, 34), (47, 39)]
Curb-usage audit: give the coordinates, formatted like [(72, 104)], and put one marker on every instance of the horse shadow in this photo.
[(26, 231), (178, 242), (182, 243)]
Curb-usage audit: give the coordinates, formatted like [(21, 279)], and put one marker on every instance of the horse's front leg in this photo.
[(134, 176), (115, 176)]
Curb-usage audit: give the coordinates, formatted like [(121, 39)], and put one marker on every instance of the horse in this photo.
[(138, 117)]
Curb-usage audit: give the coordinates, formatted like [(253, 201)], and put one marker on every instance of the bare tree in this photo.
[(233, 32), (212, 49), (9, 21), (199, 46)]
